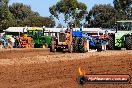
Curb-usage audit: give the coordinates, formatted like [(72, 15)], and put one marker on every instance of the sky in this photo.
[(42, 6)]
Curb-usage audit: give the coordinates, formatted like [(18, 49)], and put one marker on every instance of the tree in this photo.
[(38, 21), (26, 17), (71, 10), (6, 18), (102, 15), (21, 11), (59, 25), (124, 8)]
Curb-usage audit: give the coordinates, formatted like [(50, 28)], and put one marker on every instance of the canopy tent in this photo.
[(16, 29)]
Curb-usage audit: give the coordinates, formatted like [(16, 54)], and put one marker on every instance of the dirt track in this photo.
[(38, 68)]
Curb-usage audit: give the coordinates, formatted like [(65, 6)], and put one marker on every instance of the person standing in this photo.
[(12, 41)]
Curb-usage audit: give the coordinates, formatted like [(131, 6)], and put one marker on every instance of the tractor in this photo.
[(97, 42), (80, 42), (40, 39), (123, 35), (62, 42), (69, 40), (25, 41)]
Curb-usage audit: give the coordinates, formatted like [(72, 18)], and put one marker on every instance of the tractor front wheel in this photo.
[(99, 47), (128, 42), (70, 48), (111, 43)]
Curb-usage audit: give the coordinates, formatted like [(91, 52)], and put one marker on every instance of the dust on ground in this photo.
[(39, 68)]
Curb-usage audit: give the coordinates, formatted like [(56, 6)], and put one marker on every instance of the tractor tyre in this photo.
[(99, 47), (128, 42), (81, 80), (81, 45), (36, 45), (75, 44), (70, 48), (111, 43), (52, 47)]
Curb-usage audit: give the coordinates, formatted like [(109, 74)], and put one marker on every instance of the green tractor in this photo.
[(41, 39), (123, 35)]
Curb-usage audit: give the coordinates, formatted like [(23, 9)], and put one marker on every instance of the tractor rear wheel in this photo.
[(52, 47), (111, 43), (81, 46), (75, 44), (128, 42)]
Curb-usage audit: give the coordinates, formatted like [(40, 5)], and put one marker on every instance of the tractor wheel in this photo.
[(81, 45), (75, 44), (111, 43), (81, 80), (52, 47), (99, 47), (70, 47), (36, 45), (59, 50), (44, 45), (128, 42)]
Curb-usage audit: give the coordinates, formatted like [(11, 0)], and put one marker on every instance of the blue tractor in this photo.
[(80, 40), (80, 43)]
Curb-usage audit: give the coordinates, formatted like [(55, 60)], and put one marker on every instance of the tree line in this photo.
[(72, 12), (101, 15), (20, 15)]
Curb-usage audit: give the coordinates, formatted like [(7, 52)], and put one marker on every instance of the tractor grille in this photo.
[(62, 37)]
